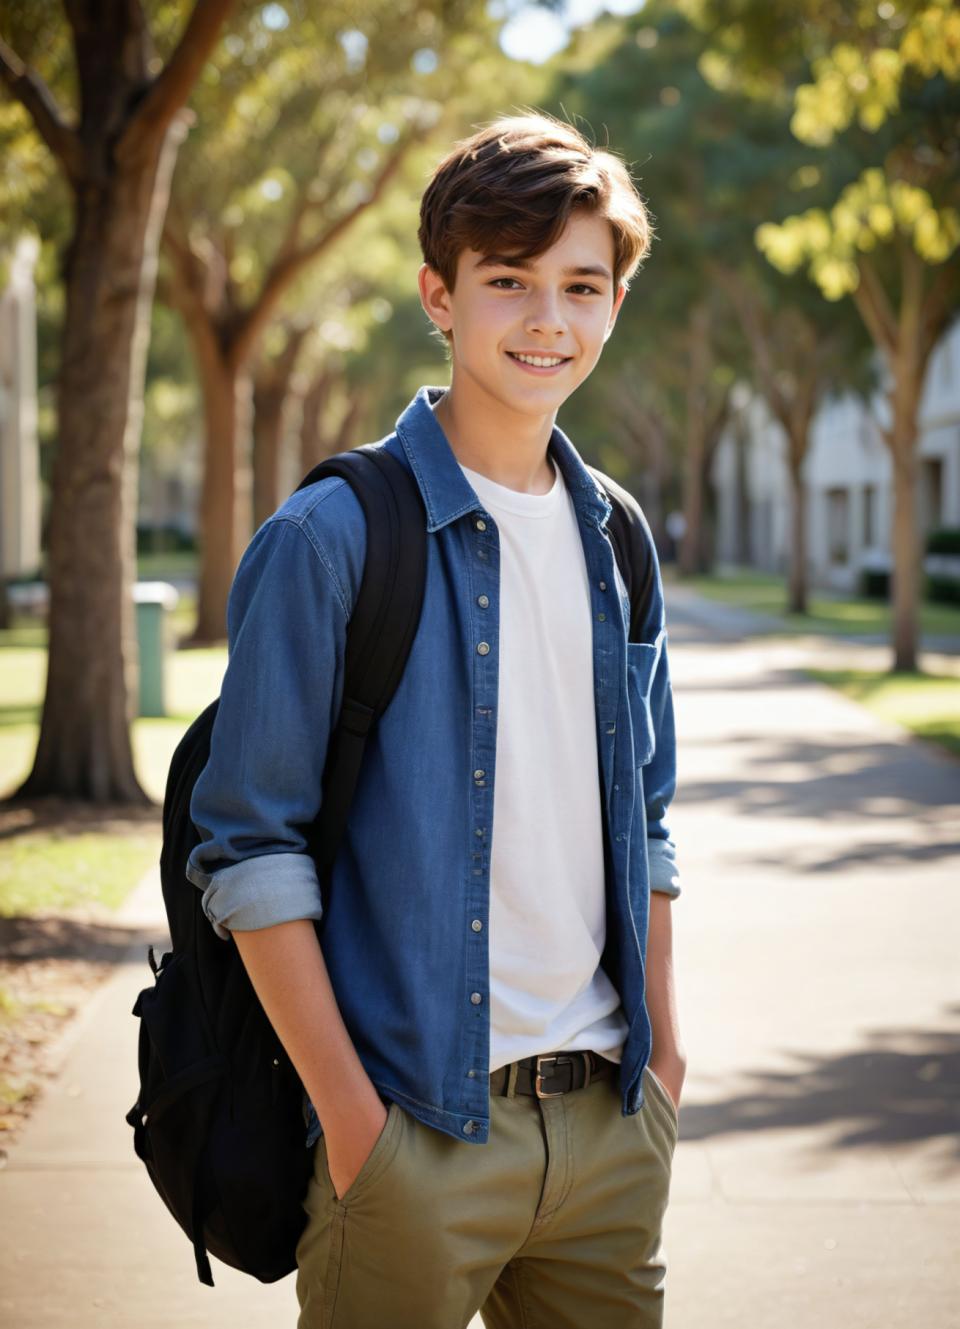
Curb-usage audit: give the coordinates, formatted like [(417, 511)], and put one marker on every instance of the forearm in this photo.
[(289, 975), (668, 1051)]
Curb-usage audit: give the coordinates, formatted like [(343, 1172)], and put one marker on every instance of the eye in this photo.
[(497, 280), (583, 287)]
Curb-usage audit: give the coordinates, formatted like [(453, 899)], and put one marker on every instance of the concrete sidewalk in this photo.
[(817, 1178)]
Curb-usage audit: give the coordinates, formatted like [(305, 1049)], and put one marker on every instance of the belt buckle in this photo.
[(538, 1082)]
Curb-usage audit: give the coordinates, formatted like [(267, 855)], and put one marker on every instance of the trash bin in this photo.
[(152, 599)]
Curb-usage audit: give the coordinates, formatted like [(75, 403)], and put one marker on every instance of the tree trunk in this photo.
[(347, 429), (271, 391), (797, 573), (84, 748), (267, 437), (118, 160), (692, 553), (226, 394), (906, 558), (742, 553), (313, 444)]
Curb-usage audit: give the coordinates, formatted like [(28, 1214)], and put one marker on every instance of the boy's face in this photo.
[(560, 307)]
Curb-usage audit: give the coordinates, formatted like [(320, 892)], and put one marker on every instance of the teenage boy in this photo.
[(474, 1028)]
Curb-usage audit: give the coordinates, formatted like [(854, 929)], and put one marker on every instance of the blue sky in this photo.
[(535, 34)]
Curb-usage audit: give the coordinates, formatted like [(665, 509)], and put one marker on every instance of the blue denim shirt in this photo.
[(405, 927)]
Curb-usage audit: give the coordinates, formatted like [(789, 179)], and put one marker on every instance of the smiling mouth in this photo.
[(540, 361)]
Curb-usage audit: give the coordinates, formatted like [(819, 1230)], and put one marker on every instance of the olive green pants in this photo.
[(554, 1223)]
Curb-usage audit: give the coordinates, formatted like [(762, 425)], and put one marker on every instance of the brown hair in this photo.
[(512, 186)]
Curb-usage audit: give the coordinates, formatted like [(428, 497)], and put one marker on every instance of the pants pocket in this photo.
[(375, 1164), (661, 1095)]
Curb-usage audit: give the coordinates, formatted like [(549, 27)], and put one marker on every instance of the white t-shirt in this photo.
[(547, 900)]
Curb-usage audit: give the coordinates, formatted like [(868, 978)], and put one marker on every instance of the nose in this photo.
[(545, 317)]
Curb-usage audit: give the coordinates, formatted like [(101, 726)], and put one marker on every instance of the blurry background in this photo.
[(208, 256)]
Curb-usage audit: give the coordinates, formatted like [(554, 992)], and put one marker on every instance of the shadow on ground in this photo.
[(812, 778), (902, 1088), (20, 816), (28, 940)]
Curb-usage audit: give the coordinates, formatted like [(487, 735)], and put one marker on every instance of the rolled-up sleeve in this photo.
[(262, 786)]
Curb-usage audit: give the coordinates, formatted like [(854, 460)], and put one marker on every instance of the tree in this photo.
[(889, 74), (117, 160), (638, 78), (326, 118), (714, 160), (272, 375), (801, 349), (225, 329)]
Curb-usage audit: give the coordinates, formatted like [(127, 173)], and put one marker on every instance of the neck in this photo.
[(506, 446)]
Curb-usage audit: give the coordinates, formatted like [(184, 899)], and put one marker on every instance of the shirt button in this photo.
[(481, 524), (479, 831), (476, 998), (477, 925), (478, 775), (602, 618), (603, 586), (483, 648), (469, 1127), (483, 601), (471, 1075)]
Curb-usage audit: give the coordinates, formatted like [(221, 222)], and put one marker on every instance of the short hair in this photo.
[(512, 186)]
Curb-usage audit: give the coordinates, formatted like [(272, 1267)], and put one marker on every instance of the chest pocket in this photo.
[(642, 661)]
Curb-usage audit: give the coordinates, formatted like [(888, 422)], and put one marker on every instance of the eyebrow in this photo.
[(506, 261)]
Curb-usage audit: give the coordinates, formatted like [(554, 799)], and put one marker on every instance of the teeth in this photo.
[(541, 361)]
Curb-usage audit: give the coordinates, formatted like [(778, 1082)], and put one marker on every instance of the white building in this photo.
[(19, 450), (848, 478)]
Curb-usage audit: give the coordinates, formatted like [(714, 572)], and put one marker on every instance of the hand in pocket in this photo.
[(351, 1145)]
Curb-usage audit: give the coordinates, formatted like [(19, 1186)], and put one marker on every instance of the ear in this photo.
[(618, 301), (435, 298)]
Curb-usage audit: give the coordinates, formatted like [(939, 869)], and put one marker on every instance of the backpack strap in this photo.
[(633, 547), (382, 626)]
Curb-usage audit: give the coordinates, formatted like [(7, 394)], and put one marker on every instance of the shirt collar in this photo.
[(447, 494)]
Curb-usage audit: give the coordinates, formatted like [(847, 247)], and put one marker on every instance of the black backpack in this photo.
[(219, 1121)]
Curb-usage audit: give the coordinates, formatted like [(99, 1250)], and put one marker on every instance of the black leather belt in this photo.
[(551, 1074)]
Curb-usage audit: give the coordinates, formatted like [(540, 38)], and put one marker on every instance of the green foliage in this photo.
[(865, 79), (295, 121), (944, 540), (884, 72), (763, 593), (62, 871), (709, 161), (871, 211), (927, 705)]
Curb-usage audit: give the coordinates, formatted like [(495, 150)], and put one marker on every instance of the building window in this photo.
[(931, 492), (869, 516), (838, 526)]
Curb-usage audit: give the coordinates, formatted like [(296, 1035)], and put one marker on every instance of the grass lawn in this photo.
[(165, 566), (51, 868), (764, 593), (927, 705), (64, 870)]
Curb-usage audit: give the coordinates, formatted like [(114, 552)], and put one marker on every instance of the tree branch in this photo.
[(871, 300), (30, 90), (286, 267), (938, 306), (750, 314), (169, 91)]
